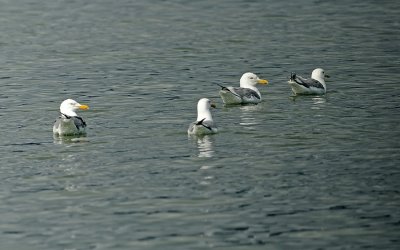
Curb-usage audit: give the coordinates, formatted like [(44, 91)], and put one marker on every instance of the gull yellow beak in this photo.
[(262, 81), (84, 107)]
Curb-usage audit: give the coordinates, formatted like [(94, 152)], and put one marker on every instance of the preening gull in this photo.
[(69, 123), (314, 85), (246, 93), (204, 123)]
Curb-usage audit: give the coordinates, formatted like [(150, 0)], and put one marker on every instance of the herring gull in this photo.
[(246, 93), (69, 123), (204, 123), (311, 86)]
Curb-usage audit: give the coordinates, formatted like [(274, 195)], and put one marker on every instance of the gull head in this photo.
[(69, 106), (203, 109), (205, 104), (250, 79), (319, 75)]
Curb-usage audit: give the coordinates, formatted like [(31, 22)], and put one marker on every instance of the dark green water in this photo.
[(311, 172)]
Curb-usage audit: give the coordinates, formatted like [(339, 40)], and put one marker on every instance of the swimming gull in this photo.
[(69, 123), (314, 85), (246, 93), (204, 123)]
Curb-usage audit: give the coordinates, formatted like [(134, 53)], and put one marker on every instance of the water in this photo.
[(310, 172)]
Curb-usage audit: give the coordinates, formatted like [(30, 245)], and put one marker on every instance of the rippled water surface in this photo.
[(307, 172)]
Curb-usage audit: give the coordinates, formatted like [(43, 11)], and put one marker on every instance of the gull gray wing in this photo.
[(245, 93), (79, 122), (308, 83)]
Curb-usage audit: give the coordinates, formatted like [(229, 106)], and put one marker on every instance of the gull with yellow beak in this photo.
[(204, 123), (246, 93), (69, 123)]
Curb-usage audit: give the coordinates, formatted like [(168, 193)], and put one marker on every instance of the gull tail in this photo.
[(222, 87), (292, 76)]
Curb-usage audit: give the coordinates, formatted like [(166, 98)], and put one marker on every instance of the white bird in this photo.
[(204, 123), (311, 86), (69, 123), (246, 93)]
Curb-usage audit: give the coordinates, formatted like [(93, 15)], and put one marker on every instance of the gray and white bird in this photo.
[(311, 86), (204, 123), (69, 123), (246, 93)]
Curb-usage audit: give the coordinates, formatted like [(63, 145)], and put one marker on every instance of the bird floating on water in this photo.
[(69, 123), (311, 86), (204, 123), (246, 93)]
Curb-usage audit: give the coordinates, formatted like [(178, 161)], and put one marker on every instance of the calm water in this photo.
[(312, 172)]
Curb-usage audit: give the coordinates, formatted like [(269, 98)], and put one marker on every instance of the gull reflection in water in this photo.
[(246, 117), (318, 102), (69, 139), (204, 145)]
